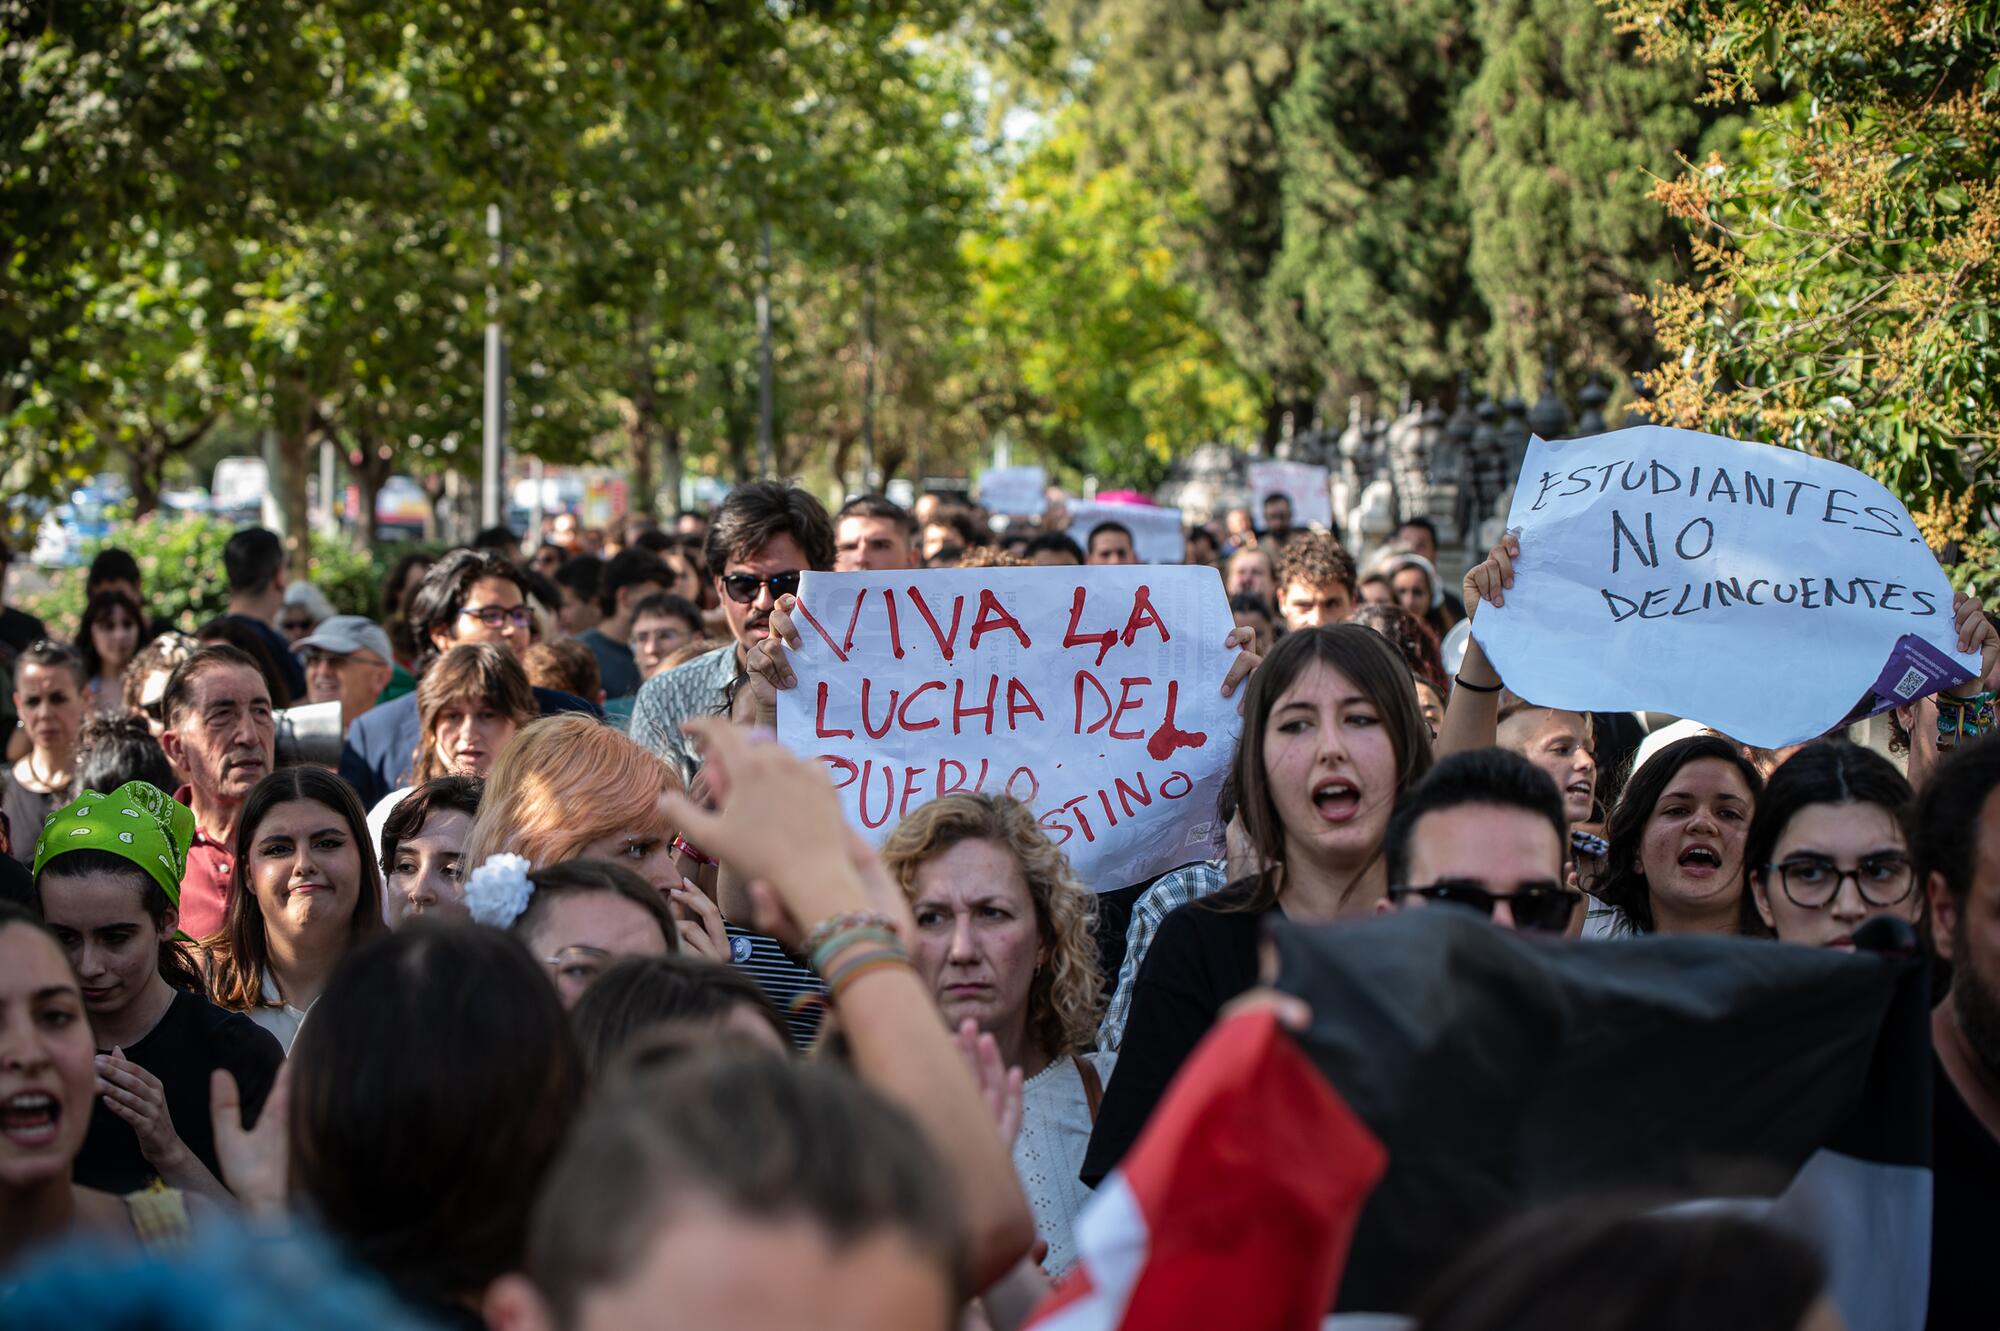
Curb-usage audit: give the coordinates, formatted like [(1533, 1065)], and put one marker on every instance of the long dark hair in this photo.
[(1624, 885), (1828, 771), (240, 955), (1375, 667), (100, 607), (431, 1091), (176, 964)]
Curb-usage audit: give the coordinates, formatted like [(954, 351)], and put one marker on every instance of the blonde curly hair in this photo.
[(1067, 996)]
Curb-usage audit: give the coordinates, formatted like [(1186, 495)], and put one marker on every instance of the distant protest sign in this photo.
[(1156, 531), (1091, 695), (1302, 483), (1015, 491), (1754, 589)]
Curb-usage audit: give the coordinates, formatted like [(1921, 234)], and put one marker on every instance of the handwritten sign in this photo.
[(1015, 491), (1303, 483), (1755, 589), (1091, 695), (1156, 532)]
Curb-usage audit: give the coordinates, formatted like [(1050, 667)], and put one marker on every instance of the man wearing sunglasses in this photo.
[(468, 596), (1485, 831), (764, 536)]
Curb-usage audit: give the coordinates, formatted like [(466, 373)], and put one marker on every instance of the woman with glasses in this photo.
[(1830, 847), (576, 918), (108, 639), (50, 696), (305, 609)]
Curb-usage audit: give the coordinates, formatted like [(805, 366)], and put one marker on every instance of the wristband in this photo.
[(854, 968), (820, 957), (818, 935), (1460, 681)]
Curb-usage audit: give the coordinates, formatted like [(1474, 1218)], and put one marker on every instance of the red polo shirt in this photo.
[(205, 885)]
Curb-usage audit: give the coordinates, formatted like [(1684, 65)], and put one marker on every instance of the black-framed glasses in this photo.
[(1813, 881), (742, 588), (1543, 907), (498, 616)]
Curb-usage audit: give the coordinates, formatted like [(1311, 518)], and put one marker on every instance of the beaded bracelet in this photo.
[(820, 956), (873, 959), (1963, 718), (833, 924)]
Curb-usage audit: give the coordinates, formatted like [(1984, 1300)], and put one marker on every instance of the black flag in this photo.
[(1503, 1070)]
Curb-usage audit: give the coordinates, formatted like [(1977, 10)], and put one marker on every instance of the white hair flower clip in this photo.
[(497, 891)]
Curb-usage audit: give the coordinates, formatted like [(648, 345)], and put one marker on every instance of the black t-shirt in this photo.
[(19, 630), (1965, 1214), (194, 1038), (281, 653), (1204, 955)]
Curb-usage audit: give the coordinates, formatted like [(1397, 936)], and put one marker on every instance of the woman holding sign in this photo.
[(1332, 736)]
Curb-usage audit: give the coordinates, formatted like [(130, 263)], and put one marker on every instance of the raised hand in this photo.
[(255, 1160), (1976, 634), (999, 1085), (1489, 579)]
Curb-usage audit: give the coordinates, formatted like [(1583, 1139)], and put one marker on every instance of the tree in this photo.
[(1375, 233), (1094, 354), (1565, 132), (1848, 268)]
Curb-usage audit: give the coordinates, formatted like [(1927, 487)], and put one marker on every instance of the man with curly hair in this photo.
[(1315, 581)]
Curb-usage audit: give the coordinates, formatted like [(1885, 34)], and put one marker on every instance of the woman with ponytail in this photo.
[(107, 873)]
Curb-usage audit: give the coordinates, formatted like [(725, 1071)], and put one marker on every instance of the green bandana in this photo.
[(138, 822)]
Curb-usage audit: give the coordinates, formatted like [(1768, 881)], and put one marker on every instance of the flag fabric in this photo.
[(1501, 1071), (1236, 1205)]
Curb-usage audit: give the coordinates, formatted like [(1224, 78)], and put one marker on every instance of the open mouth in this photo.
[(30, 1118), (1701, 860), (1337, 800), (1578, 789)]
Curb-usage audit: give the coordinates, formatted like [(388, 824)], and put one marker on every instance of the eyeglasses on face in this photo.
[(1813, 881), (498, 616), (742, 588), (1544, 907)]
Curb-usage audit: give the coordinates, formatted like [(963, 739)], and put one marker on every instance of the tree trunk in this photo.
[(645, 503), (144, 467), (292, 462), (673, 457), (370, 469)]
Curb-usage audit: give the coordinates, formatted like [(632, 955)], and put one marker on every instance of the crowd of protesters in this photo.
[(565, 997)]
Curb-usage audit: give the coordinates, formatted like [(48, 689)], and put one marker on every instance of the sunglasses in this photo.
[(742, 588), (155, 711), (1543, 907)]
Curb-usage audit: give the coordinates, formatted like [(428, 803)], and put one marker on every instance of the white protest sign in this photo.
[(1015, 491), (1156, 531), (1754, 589), (1305, 484), (1091, 695)]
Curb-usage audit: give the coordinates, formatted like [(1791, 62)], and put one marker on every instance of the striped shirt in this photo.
[(1168, 892), (699, 687), (789, 985)]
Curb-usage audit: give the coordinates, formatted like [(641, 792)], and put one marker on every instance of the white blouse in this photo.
[(283, 1020), (1048, 1152)]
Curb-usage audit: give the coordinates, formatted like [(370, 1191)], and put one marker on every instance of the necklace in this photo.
[(48, 783)]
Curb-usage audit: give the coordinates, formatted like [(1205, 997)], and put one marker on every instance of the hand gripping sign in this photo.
[(1758, 590), (1091, 695)]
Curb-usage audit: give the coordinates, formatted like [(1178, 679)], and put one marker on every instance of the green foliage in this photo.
[(180, 560), (1564, 133), (1849, 250), (1093, 354)]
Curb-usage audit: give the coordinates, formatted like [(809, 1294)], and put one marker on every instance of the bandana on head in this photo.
[(138, 822)]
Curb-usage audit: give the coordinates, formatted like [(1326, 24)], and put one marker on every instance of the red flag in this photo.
[(1236, 1205)]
